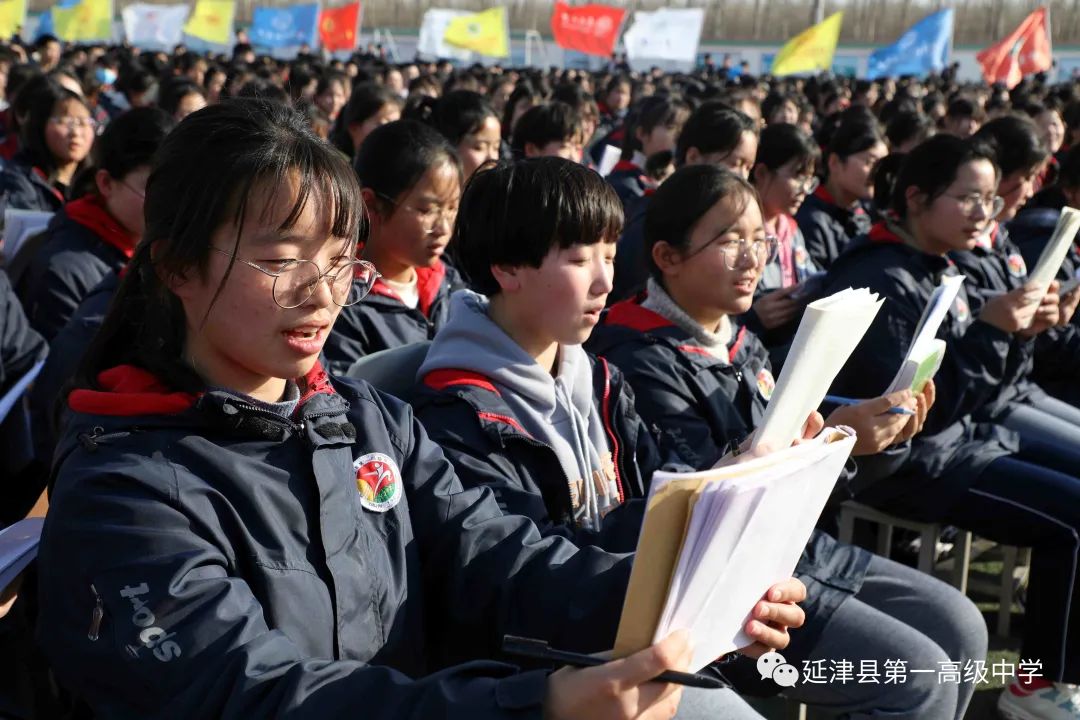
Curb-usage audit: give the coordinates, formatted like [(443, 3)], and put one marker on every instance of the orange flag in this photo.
[(338, 27), (1026, 50)]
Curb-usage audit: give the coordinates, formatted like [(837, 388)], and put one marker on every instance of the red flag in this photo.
[(1026, 50), (338, 26), (591, 29)]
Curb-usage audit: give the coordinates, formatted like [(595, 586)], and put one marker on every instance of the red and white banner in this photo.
[(1024, 51), (591, 29)]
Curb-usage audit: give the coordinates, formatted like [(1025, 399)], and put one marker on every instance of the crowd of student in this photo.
[(240, 526)]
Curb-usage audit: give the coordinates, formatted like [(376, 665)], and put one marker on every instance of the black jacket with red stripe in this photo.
[(698, 402), (464, 413), (828, 228), (993, 267), (381, 320), (953, 447)]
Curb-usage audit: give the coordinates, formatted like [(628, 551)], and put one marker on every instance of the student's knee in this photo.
[(924, 694)]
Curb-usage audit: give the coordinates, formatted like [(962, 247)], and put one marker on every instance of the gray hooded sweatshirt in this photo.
[(558, 411)]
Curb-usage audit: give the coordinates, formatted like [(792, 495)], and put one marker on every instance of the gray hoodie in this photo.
[(559, 411)]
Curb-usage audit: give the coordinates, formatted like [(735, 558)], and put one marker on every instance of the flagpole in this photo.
[(359, 25)]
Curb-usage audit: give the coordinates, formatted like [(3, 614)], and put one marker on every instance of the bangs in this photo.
[(588, 211), (321, 175)]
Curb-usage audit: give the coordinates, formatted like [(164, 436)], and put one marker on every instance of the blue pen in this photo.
[(837, 400)]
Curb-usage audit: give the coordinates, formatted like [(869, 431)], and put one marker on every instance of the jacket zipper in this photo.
[(610, 430), (96, 617), (298, 427)]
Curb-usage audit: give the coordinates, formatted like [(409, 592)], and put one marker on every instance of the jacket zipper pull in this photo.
[(97, 616)]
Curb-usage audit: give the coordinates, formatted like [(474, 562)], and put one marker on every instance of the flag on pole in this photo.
[(811, 50), (1024, 51), (486, 33), (923, 49), (85, 21), (665, 35), (212, 21), (433, 31), (282, 27), (155, 26), (590, 29), (12, 16), (338, 27)]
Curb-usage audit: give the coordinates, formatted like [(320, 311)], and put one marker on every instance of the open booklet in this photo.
[(1046, 269), (926, 352), (712, 543), (829, 332)]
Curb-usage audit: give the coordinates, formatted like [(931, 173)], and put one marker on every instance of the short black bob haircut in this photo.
[(515, 212), (542, 124)]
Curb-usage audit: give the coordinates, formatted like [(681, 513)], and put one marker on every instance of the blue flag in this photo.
[(285, 26), (924, 48)]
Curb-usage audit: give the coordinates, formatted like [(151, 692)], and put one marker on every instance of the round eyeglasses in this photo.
[(295, 281), (991, 205), (760, 250)]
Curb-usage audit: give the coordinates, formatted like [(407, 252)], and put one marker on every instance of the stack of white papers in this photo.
[(18, 226), (1055, 251), (713, 543), (829, 332), (927, 351)]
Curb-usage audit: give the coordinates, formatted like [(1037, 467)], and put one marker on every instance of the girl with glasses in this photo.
[(234, 534), (702, 380), (56, 140), (976, 465), (411, 180), (784, 177), (97, 233)]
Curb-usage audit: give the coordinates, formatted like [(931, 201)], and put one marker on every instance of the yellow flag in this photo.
[(212, 21), (87, 21), (12, 15), (811, 50), (483, 32)]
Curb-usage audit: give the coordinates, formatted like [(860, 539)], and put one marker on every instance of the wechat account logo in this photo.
[(773, 665)]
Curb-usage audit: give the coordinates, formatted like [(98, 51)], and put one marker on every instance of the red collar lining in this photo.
[(630, 314), (428, 282), (451, 377), (90, 212)]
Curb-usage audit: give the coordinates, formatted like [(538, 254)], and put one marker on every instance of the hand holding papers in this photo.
[(712, 543), (830, 330), (926, 352)]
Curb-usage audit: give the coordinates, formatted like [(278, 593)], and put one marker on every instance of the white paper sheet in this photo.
[(922, 344), (1055, 251), (829, 332), (770, 506), (18, 226), (18, 547)]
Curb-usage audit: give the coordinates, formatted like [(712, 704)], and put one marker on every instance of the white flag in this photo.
[(155, 26), (433, 28), (665, 35)]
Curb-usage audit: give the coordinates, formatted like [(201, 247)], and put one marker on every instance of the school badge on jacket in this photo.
[(765, 383), (378, 480), (1016, 264)]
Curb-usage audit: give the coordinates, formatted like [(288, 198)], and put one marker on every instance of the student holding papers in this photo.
[(1057, 351), (995, 266), (704, 382), (521, 408), (977, 475)]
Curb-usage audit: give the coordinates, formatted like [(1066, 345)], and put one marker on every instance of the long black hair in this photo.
[(394, 157), (366, 100), (932, 167), (204, 176), (41, 102)]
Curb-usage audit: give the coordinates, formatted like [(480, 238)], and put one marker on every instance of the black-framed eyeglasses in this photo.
[(296, 280)]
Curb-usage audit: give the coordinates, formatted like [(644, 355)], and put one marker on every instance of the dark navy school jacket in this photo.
[(83, 244), (700, 406), (953, 447), (993, 267), (206, 558), (631, 261), (828, 228), (381, 321), (465, 414), (67, 350), (25, 187), (630, 183)]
